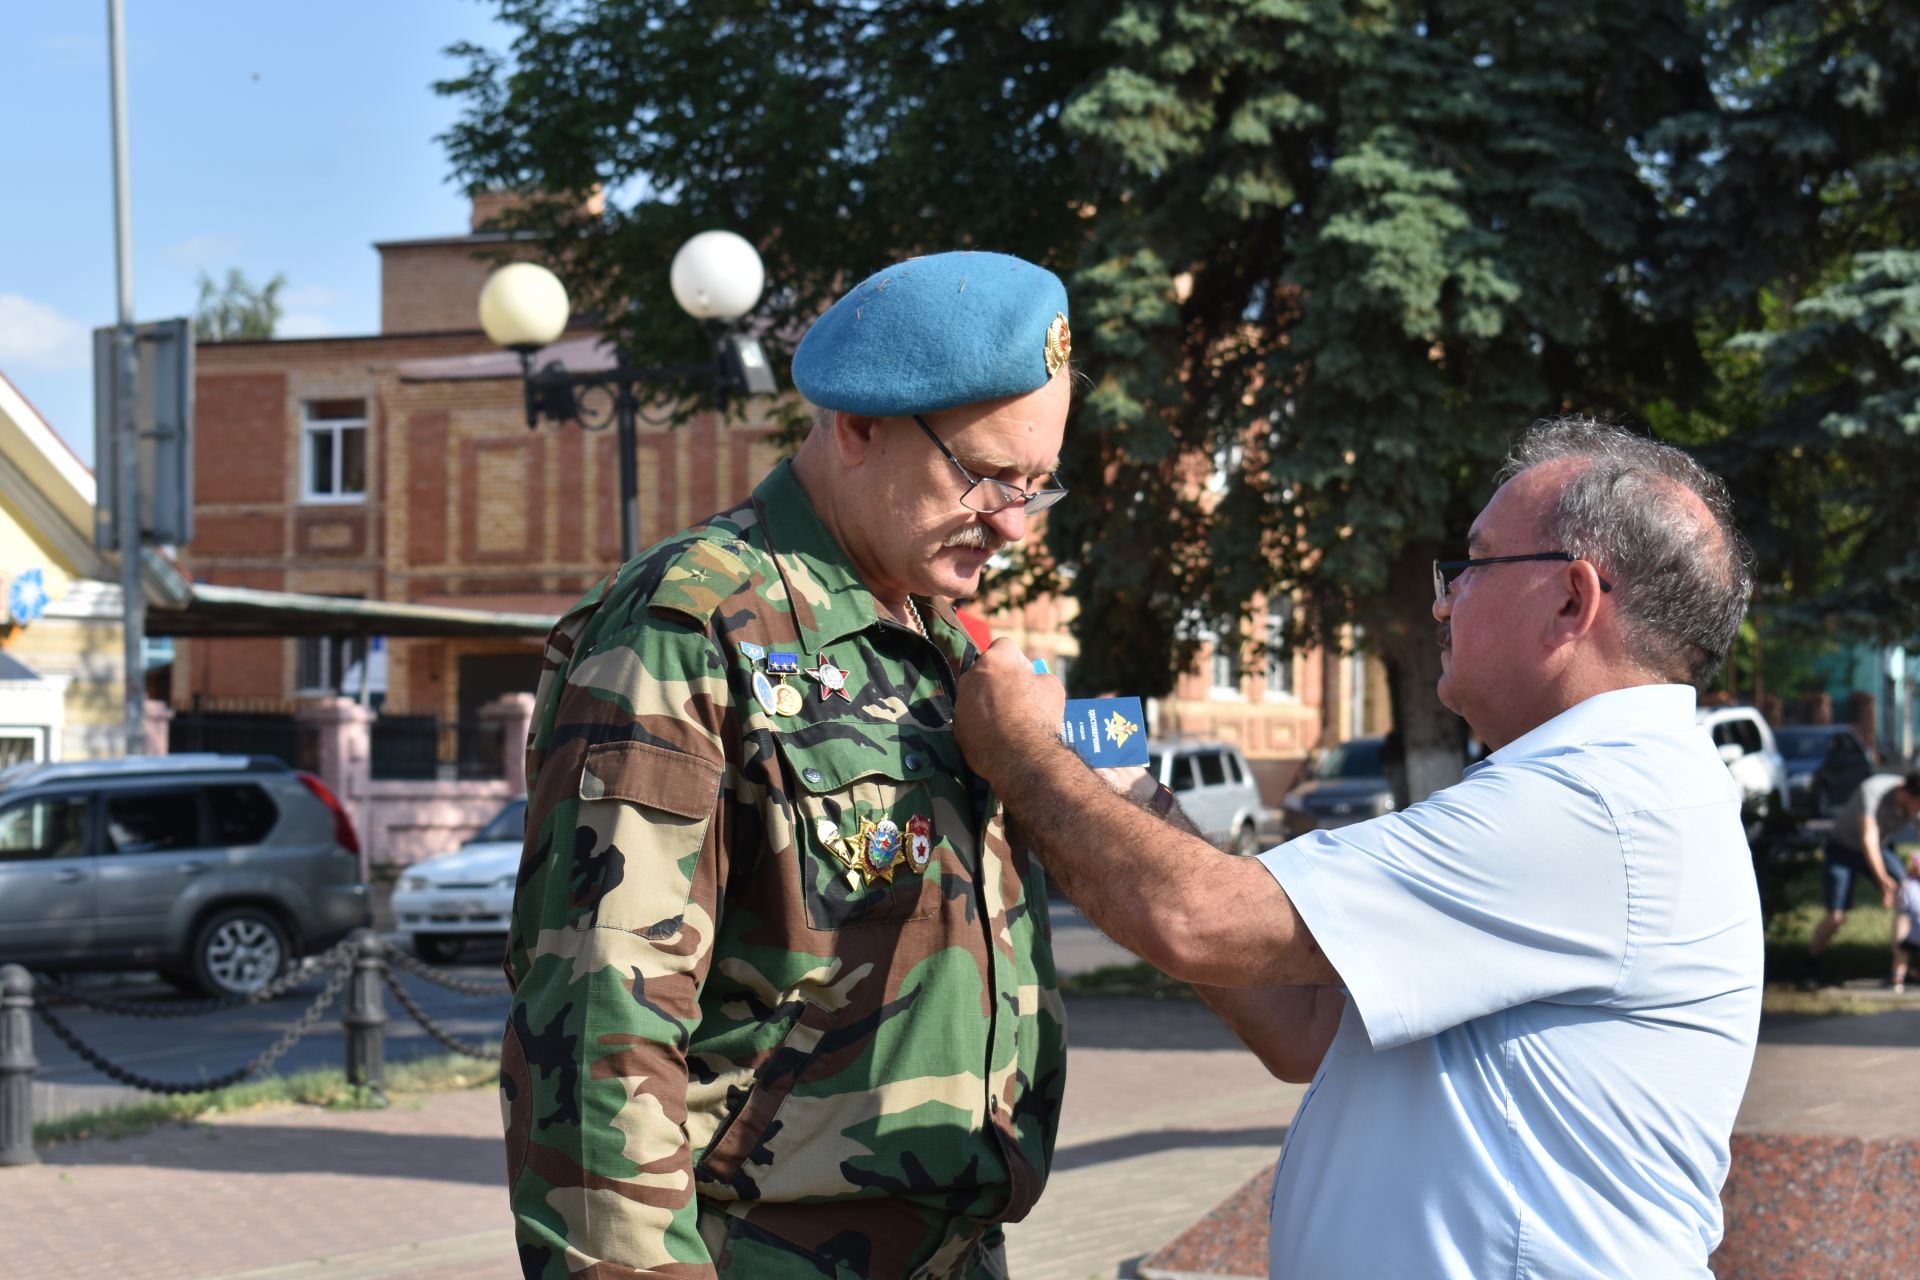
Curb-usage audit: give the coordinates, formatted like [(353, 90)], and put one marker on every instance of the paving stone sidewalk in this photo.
[(1165, 1116)]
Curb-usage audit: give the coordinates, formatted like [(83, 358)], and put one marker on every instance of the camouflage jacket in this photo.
[(734, 1048)]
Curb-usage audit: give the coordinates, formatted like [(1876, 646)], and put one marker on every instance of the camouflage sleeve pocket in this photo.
[(641, 773), (642, 825)]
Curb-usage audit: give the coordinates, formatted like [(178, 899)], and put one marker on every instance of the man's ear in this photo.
[(1581, 608), (853, 437)]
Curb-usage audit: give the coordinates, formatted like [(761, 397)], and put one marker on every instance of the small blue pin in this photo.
[(1040, 667), (751, 651)]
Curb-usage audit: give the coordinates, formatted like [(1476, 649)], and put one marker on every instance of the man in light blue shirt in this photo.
[(1528, 1003)]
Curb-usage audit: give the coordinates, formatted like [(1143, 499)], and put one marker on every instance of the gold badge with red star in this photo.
[(1059, 344), (919, 843)]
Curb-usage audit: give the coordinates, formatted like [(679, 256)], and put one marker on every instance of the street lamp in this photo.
[(716, 278)]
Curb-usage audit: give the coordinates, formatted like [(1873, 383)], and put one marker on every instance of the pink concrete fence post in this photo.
[(511, 714), (159, 719), (342, 757)]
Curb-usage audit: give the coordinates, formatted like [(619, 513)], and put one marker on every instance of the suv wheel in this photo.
[(1246, 843), (238, 951)]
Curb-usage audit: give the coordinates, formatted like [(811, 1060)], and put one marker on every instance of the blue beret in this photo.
[(934, 332)]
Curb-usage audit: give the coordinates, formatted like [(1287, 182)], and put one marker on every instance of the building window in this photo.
[(324, 661), (1279, 652), (1226, 667), (333, 451)]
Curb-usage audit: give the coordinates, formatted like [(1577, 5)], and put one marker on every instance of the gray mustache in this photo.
[(1446, 635), (977, 537)]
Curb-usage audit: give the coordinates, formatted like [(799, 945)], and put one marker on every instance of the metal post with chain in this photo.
[(366, 1018), (17, 1066)]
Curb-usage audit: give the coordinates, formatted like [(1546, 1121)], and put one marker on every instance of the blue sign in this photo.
[(27, 596)]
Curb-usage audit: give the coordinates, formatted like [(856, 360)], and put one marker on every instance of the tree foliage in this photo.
[(236, 310), (1331, 253)]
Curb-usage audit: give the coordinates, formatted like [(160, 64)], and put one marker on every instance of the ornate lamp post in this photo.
[(716, 278)]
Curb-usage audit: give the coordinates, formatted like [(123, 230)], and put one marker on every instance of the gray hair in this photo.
[(1681, 577)]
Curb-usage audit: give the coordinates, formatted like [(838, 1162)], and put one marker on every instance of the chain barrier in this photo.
[(340, 959), (431, 1027), (273, 1053), (420, 969), (341, 953)]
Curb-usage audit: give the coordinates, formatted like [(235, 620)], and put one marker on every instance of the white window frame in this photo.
[(1279, 673), (1227, 652), (311, 427)]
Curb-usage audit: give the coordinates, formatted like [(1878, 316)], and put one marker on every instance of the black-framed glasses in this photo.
[(1445, 571), (987, 495)]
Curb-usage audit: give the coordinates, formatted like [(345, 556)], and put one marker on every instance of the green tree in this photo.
[(236, 311), (1334, 253), (1797, 217)]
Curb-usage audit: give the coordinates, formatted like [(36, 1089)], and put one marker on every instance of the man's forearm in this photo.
[(1157, 889), (1288, 1028)]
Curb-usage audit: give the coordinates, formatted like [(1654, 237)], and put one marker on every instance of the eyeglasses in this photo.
[(987, 495), (1444, 571)]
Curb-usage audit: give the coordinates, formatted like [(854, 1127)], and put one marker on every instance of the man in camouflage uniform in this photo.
[(784, 999)]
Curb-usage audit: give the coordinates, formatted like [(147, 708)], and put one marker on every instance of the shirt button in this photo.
[(811, 775), (913, 762)]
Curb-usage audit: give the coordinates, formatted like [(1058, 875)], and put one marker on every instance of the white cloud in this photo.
[(304, 324), (35, 336), (208, 253)]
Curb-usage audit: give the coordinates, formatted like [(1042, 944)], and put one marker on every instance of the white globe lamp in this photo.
[(716, 276), (523, 306)]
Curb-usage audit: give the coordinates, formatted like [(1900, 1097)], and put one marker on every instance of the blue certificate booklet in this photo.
[(1107, 732)]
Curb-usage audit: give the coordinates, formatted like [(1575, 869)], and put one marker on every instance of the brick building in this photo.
[(398, 466)]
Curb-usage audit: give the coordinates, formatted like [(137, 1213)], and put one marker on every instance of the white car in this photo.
[(465, 896), (1746, 745)]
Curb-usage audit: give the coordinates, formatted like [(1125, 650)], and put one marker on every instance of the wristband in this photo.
[(1162, 800)]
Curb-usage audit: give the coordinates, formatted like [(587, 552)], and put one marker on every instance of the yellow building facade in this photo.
[(61, 658)]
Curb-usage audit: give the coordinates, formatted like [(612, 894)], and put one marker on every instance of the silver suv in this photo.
[(215, 870), (1215, 788)]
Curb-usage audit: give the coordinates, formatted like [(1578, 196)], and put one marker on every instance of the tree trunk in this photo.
[(1430, 740)]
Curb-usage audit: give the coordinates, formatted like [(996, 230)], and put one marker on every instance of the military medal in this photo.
[(832, 681), (919, 842), (879, 849), (787, 700), (765, 694), (783, 663), (751, 651)]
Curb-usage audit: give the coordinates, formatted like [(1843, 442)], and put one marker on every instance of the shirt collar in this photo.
[(829, 600), (1618, 712)]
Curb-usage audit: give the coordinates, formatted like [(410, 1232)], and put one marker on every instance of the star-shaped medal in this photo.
[(832, 679)]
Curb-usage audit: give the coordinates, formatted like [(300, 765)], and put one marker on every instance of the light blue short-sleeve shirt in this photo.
[(1553, 973)]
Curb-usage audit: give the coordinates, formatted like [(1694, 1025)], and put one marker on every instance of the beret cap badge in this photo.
[(1059, 344)]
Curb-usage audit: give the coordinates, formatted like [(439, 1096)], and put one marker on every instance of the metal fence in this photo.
[(429, 749), (242, 733)]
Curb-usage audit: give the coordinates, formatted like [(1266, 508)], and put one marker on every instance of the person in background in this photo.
[(1906, 925), (1856, 851)]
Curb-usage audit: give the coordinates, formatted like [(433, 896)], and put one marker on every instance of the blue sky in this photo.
[(271, 137)]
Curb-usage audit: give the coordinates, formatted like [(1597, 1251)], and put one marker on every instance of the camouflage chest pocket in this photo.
[(862, 833)]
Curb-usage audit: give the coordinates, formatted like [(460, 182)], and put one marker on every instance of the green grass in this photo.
[(318, 1088)]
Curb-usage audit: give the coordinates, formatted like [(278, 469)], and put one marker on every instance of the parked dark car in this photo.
[(215, 870), (1825, 762), (1346, 785)]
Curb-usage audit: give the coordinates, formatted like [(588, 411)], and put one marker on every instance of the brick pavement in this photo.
[(1164, 1117)]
